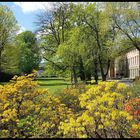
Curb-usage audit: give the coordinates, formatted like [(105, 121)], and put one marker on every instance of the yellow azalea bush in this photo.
[(92, 111), (18, 99), (27, 111), (103, 116), (69, 97), (51, 115)]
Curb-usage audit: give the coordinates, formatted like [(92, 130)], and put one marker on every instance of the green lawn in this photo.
[(3, 83), (53, 84)]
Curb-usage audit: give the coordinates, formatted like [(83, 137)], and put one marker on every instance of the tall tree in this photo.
[(52, 26), (103, 32), (8, 28), (70, 54)]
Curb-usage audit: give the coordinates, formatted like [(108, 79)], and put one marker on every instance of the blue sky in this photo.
[(25, 13)]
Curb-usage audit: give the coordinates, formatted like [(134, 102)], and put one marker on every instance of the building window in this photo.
[(133, 72), (133, 60)]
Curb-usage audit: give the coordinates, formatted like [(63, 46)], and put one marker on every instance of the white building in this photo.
[(133, 58), (127, 65)]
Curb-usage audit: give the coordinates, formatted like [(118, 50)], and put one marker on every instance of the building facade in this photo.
[(126, 66), (133, 58)]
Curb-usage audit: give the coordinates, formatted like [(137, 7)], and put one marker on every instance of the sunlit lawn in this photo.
[(53, 84), (3, 83)]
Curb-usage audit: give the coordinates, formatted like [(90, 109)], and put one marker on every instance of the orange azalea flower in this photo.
[(128, 108), (137, 112)]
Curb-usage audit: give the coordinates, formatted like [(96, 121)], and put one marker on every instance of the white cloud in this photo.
[(33, 6), (22, 29)]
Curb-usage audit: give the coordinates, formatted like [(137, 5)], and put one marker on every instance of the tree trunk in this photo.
[(88, 76), (82, 70), (104, 75), (74, 76), (96, 71), (102, 70), (108, 66)]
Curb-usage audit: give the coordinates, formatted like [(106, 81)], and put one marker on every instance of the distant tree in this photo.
[(29, 53)]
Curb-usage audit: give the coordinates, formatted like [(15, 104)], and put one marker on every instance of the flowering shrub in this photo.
[(18, 99), (50, 116), (103, 114), (98, 111), (69, 97), (133, 107), (25, 111)]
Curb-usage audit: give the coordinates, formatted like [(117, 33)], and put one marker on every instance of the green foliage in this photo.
[(70, 50), (29, 53), (10, 60), (8, 30), (134, 89), (126, 19), (8, 26)]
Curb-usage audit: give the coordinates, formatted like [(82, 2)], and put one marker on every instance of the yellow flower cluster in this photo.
[(103, 114), (93, 111), (18, 99)]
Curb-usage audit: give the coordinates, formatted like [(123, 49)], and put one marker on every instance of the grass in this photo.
[(53, 84), (3, 83)]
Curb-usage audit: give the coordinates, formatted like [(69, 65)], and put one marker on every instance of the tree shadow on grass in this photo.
[(49, 79), (55, 84)]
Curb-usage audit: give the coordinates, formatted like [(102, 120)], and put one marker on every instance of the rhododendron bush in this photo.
[(96, 111)]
